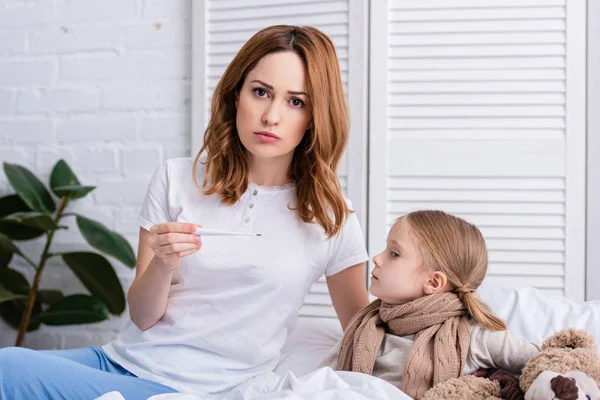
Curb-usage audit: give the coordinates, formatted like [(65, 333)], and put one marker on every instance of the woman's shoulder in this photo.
[(179, 164), (180, 170)]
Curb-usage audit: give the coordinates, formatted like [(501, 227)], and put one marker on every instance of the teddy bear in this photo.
[(566, 368), (485, 384)]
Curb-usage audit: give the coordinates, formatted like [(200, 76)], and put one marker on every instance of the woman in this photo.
[(211, 314)]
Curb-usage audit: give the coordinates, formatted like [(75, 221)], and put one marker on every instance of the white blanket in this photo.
[(322, 384)]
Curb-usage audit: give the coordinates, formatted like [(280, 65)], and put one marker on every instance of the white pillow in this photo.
[(534, 315)]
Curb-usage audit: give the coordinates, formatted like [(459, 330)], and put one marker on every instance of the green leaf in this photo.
[(74, 309), (64, 182), (11, 204), (62, 175), (28, 186), (99, 277), (73, 191), (12, 311), (34, 220), (17, 231), (14, 281), (48, 296), (6, 245), (109, 242), (5, 295), (5, 257)]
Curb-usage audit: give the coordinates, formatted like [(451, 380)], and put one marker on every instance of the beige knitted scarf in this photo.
[(443, 334)]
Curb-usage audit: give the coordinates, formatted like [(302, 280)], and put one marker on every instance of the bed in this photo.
[(528, 312)]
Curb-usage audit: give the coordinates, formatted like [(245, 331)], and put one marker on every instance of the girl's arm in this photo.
[(500, 349), (348, 291)]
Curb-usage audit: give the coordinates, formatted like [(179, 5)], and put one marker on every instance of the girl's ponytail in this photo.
[(481, 312)]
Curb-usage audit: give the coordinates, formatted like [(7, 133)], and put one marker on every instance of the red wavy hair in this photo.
[(315, 161)]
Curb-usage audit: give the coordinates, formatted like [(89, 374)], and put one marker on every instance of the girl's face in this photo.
[(399, 275), (273, 108)]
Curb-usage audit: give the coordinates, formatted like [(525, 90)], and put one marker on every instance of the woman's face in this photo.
[(273, 108)]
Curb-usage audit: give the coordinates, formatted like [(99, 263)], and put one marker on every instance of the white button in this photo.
[(255, 192), (251, 205), (247, 220)]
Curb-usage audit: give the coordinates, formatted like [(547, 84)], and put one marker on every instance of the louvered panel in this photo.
[(477, 87), (476, 113), (476, 195), (318, 302), (230, 23), (277, 10), (335, 32), (322, 20), (495, 38), (319, 287), (471, 158), (498, 183), (245, 4), (531, 25), (478, 75), (490, 10), (473, 63), (522, 218), (514, 269), (456, 4), (308, 310), (502, 209), (475, 99)]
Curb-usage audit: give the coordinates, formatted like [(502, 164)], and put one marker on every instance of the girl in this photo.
[(428, 325), (210, 314)]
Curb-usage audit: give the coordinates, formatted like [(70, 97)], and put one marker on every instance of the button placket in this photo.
[(248, 217)]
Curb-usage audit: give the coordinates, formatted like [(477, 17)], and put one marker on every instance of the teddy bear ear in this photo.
[(570, 338)]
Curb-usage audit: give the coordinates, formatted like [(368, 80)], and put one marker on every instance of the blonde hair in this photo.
[(457, 248), (315, 161)]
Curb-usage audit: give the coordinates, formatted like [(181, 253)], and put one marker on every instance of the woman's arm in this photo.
[(159, 254), (348, 291)]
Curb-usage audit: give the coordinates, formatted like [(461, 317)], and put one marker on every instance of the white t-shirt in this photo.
[(232, 304)]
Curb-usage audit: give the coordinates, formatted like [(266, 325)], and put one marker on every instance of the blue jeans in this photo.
[(84, 373)]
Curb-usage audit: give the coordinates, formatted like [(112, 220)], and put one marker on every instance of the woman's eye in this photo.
[(297, 102), (394, 254), (260, 92)]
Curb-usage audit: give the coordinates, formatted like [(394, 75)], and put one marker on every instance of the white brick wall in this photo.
[(104, 84)]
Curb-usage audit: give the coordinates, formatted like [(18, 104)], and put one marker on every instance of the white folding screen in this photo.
[(477, 107), (221, 27)]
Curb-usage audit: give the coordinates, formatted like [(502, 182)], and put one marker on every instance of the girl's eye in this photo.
[(297, 102), (394, 254), (260, 92)]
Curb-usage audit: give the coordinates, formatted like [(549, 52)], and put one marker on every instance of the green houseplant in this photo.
[(31, 213)]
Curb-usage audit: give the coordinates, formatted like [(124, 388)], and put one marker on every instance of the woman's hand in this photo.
[(171, 241)]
